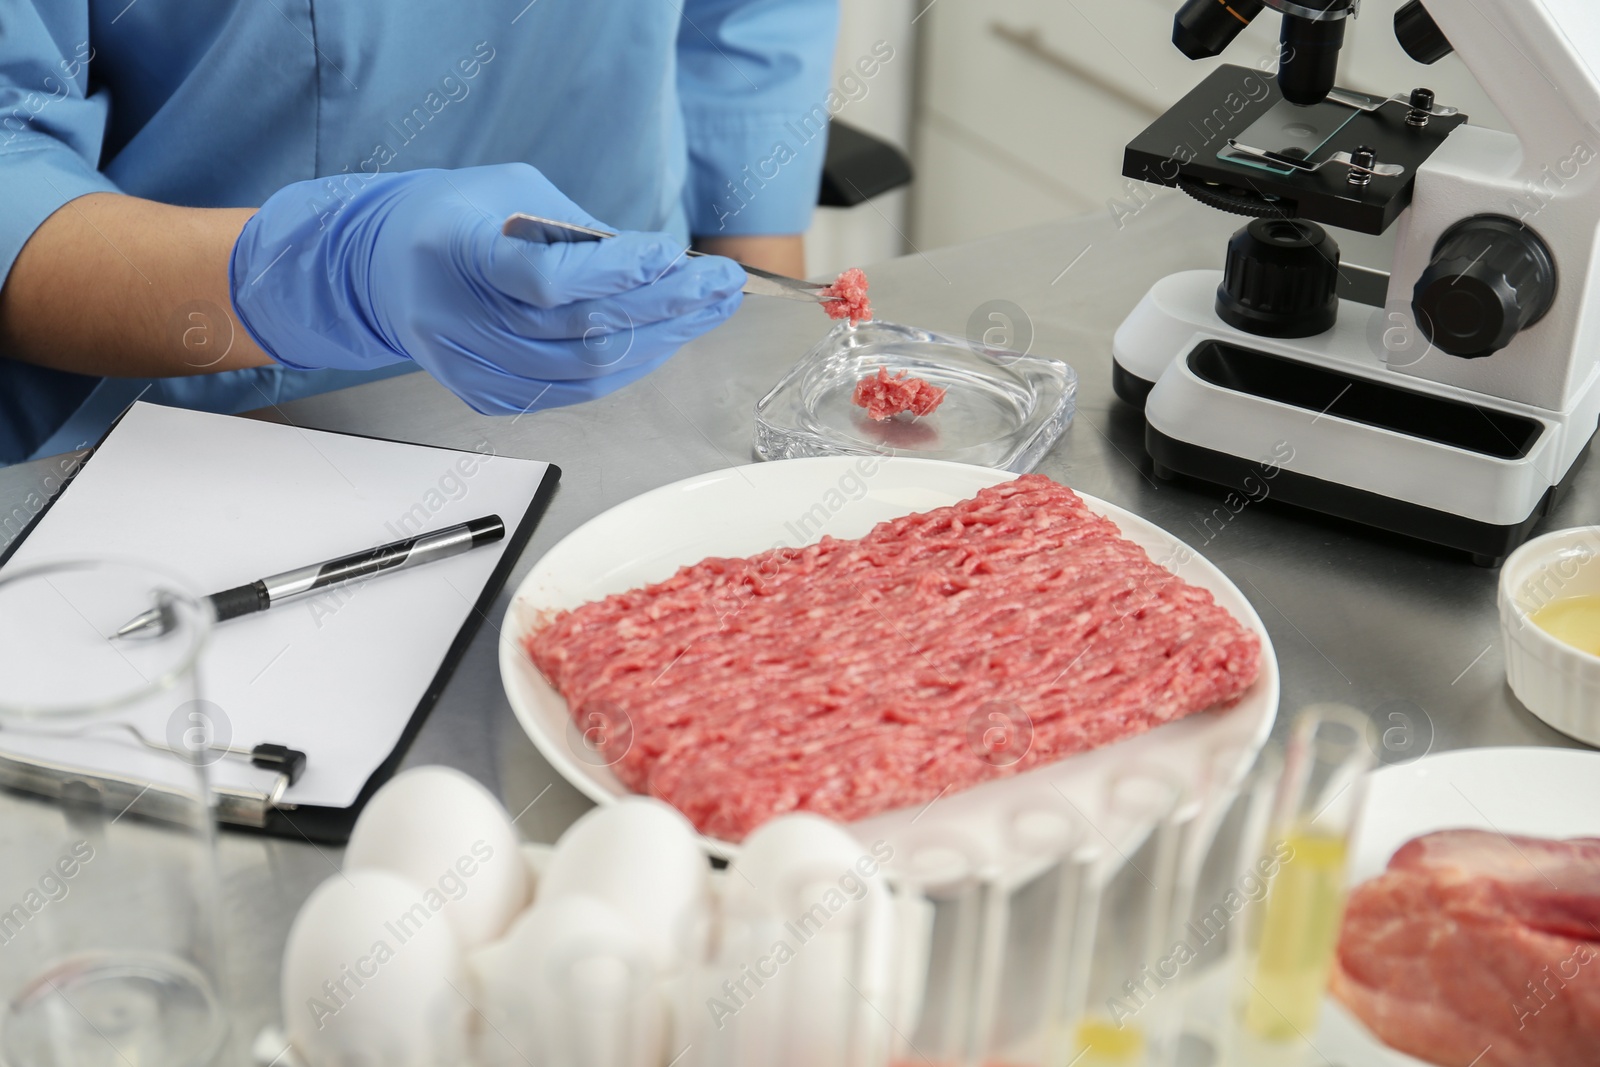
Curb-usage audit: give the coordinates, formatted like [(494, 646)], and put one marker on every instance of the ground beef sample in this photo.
[(885, 396), (1478, 947), (848, 678), (852, 302)]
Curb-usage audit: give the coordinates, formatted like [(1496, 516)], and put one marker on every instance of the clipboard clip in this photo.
[(290, 763), (244, 807)]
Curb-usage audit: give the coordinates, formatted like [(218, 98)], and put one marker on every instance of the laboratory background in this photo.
[(1126, 594)]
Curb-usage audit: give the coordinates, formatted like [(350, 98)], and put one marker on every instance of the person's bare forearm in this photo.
[(781, 254), (116, 286)]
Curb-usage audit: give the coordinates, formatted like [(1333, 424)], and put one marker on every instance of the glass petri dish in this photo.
[(1002, 409)]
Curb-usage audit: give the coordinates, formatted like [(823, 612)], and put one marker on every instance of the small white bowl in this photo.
[(1558, 683)]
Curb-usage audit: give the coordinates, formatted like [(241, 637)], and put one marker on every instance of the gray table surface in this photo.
[(1389, 626)]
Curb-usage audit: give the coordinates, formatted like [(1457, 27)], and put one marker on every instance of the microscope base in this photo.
[(1326, 424)]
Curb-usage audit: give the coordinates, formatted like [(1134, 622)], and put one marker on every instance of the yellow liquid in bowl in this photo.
[(1573, 620)]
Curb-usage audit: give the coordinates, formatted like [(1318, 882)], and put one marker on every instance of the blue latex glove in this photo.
[(413, 266)]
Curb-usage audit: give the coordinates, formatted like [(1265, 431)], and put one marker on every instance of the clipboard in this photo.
[(295, 474)]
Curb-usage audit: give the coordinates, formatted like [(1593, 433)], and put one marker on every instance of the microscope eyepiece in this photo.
[(1203, 28)]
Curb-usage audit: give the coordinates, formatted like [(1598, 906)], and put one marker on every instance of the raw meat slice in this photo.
[(1477, 947), (848, 678), (1552, 886), (885, 397), (852, 302)]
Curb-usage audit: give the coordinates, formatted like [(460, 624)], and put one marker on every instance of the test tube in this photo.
[(1125, 1002), (1080, 881), (796, 978), (1291, 935), (611, 1014), (946, 875), (1216, 881), (1044, 886), (733, 1022), (1004, 924), (585, 1004)]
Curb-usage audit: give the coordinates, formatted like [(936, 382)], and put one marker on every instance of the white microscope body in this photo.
[(1463, 450)]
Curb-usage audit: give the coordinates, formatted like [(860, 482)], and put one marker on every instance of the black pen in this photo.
[(303, 581)]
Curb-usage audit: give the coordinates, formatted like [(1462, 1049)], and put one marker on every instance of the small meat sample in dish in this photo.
[(886, 396), (850, 289), (849, 678), (1479, 947)]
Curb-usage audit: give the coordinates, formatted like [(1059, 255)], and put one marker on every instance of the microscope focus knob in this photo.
[(1490, 278), (1280, 279)]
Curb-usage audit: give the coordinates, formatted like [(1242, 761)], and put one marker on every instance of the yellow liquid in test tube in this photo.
[(1294, 950), (1573, 620), (1106, 1044)]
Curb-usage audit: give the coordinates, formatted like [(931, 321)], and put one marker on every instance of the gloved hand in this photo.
[(413, 266)]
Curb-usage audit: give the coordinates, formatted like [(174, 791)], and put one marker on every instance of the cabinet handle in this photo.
[(1031, 41)]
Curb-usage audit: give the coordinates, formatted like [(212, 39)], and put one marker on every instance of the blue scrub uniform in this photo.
[(701, 117)]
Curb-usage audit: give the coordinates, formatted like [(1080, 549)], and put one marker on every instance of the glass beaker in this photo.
[(108, 893)]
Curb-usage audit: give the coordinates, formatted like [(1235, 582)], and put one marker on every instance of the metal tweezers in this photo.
[(760, 282)]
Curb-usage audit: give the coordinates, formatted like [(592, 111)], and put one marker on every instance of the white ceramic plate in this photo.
[(743, 510), (1539, 792)]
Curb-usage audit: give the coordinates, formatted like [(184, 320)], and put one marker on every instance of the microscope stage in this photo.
[(1181, 147)]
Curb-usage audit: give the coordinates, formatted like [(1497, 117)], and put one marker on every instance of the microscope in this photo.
[(1449, 399)]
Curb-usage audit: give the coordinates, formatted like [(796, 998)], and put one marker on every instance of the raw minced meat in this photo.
[(885, 396), (848, 678), (850, 291)]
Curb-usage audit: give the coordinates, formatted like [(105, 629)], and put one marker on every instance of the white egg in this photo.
[(448, 834), (644, 859), (571, 983), (370, 976)]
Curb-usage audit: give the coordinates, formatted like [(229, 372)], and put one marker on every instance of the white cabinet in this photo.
[(1042, 96), (882, 106)]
